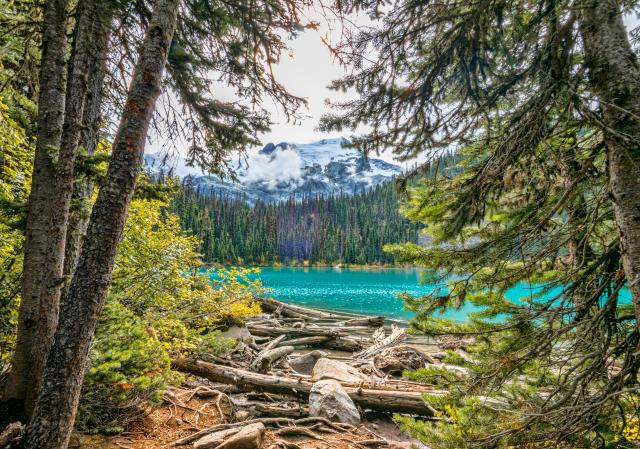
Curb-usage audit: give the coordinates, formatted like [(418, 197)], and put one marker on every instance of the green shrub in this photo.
[(128, 371)]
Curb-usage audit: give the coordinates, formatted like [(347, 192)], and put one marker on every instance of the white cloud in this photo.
[(282, 166)]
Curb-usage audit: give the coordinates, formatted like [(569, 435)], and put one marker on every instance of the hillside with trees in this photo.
[(347, 229)]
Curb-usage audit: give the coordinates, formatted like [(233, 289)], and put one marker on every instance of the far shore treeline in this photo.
[(314, 230)]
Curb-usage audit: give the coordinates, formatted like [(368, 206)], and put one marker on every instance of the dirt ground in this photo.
[(168, 423)]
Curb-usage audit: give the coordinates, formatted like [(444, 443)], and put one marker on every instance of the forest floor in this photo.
[(166, 424), (270, 381)]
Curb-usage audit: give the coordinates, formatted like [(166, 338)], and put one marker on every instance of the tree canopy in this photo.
[(541, 98)]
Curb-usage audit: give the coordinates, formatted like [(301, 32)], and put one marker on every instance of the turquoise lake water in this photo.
[(365, 291)]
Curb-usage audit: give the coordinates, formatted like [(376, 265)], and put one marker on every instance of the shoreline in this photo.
[(317, 265)]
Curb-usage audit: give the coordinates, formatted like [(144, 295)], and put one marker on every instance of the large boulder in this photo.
[(397, 359), (340, 371), (329, 400)]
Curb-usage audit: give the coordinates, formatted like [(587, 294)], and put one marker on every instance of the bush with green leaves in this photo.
[(128, 371), (16, 151), (160, 305)]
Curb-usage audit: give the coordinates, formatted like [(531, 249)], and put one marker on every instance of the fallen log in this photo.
[(378, 335), (305, 341), (372, 321), (382, 400), (295, 331), (397, 336), (297, 411), (292, 311), (267, 358), (344, 344), (398, 359), (274, 343)]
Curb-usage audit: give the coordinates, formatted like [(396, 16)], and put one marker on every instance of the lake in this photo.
[(370, 291), (367, 291)]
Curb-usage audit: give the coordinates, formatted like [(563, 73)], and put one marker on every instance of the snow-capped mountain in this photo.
[(282, 171)]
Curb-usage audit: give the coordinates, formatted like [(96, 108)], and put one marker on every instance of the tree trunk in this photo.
[(82, 188), (56, 407), (42, 262), (57, 198), (615, 79)]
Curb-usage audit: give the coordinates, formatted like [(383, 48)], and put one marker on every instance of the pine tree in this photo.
[(541, 98)]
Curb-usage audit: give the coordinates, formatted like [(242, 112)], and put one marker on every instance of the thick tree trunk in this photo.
[(57, 199), (55, 409), (615, 78), (82, 188), (42, 262)]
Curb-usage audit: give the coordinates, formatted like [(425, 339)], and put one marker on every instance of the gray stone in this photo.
[(329, 400), (334, 369), (305, 363), (250, 436)]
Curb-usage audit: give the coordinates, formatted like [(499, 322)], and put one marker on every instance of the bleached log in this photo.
[(374, 399), (275, 343), (378, 335), (295, 332), (305, 341), (298, 411), (266, 359), (344, 344), (292, 311), (396, 337), (372, 321)]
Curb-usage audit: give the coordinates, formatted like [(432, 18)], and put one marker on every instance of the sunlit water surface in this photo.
[(364, 291)]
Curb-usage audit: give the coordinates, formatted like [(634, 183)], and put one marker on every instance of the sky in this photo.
[(306, 70)]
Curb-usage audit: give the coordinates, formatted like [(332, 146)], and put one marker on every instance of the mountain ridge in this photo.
[(282, 171)]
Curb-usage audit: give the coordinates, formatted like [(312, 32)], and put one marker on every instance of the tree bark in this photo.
[(42, 261), (92, 115), (615, 79), (31, 352), (55, 409)]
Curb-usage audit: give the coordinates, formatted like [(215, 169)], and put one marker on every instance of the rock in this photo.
[(397, 359), (334, 369), (329, 400), (247, 437), (305, 363), (214, 439), (242, 415), (239, 333)]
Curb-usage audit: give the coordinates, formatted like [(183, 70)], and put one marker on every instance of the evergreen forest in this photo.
[(341, 229)]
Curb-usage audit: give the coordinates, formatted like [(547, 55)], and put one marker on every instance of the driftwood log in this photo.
[(269, 331), (396, 337), (304, 341), (269, 357), (369, 321), (373, 399), (292, 311)]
